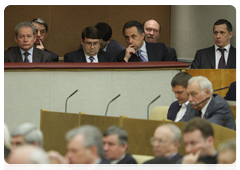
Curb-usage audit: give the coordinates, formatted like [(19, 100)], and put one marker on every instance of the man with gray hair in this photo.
[(25, 36), (26, 133), (115, 146), (207, 105), (227, 152), (85, 146), (28, 154), (166, 142)]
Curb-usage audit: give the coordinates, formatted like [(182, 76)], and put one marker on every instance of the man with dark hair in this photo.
[(25, 36), (178, 108), (220, 56), (41, 33), (138, 50), (152, 31), (90, 52), (115, 146), (198, 138)]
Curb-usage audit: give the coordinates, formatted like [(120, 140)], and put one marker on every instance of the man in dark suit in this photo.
[(90, 51), (198, 137), (152, 31), (231, 94), (138, 50), (207, 105), (41, 33), (115, 146), (25, 51), (166, 142), (179, 86), (85, 146), (222, 54)]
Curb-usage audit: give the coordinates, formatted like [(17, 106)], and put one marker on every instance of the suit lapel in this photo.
[(150, 52), (231, 57), (211, 56), (36, 55), (81, 57), (18, 55)]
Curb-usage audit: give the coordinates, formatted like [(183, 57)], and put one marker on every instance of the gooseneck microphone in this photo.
[(201, 102), (111, 102), (150, 104), (220, 89), (68, 98)]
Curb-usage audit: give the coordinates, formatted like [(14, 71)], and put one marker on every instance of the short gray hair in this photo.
[(40, 21), (177, 133), (92, 137), (203, 82), (30, 133), (25, 24), (116, 130), (229, 144)]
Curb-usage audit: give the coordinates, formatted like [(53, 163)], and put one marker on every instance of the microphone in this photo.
[(201, 102), (220, 89), (68, 98), (111, 102), (150, 104)]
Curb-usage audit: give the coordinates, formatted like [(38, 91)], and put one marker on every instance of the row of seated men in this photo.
[(87, 145), (141, 39)]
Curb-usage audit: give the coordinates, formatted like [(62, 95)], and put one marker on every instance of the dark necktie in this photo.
[(140, 55), (199, 114), (26, 54), (222, 63), (91, 58)]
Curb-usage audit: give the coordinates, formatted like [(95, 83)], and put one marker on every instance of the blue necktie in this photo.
[(26, 54), (222, 63), (91, 58), (141, 57)]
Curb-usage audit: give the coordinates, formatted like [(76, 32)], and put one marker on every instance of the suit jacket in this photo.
[(218, 112), (155, 52), (79, 56), (55, 57), (13, 54), (114, 47), (173, 110), (104, 165), (172, 53), (205, 58), (231, 94), (127, 163), (177, 159)]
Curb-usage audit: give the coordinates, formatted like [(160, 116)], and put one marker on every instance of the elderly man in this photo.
[(166, 142), (26, 133), (152, 31), (227, 152), (25, 36), (41, 33), (179, 86), (222, 54), (85, 146), (90, 51), (138, 50), (28, 154), (198, 138), (207, 105), (115, 146)]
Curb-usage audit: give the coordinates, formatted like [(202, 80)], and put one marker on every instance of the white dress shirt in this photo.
[(30, 56), (89, 61), (205, 108), (218, 55), (182, 111)]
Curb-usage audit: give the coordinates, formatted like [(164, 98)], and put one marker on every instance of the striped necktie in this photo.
[(140, 55), (91, 58), (26, 54)]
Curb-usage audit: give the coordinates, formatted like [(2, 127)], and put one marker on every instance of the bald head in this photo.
[(152, 31)]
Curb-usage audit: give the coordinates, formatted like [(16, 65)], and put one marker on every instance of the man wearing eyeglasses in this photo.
[(166, 142), (152, 31), (90, 52)]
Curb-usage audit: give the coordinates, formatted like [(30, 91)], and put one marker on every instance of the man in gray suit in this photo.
[(152, 31), (207, 105), (25, 36), (222, 54)]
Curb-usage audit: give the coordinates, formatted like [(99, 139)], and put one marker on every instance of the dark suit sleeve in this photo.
[(166, 56), (66, 58), (196, 62), (120, 56), (172, 53)]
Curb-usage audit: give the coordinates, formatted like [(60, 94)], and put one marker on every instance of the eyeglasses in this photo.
[(150, 30), (159, 141), (89, 44)]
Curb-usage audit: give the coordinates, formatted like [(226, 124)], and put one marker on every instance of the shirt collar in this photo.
[(184, 104), (170, 157), (30, 51), (118, 160), (226, 47), (87, 58), (143, 48), (205, 107)]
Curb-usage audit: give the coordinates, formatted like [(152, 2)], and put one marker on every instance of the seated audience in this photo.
[(90, 52), (227, 152), (26, 133), (115, 146), (85, 146), (166, 142), (138, 49), (231, 94), (222, 54), (41, 33), (25, 36), (207, 105), (152, 31), (179, 86), (198, 137)]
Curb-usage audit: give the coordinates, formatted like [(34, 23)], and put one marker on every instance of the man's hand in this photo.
[(41, 47), (129, 51), (57, 158), (191, 158)]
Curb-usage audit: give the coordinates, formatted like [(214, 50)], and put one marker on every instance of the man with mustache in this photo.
[(222, 54), (152, 31), (207, 105), (138, 50)]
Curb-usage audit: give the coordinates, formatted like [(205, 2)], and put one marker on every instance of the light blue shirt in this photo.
[(144, 51), (30, 56)]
